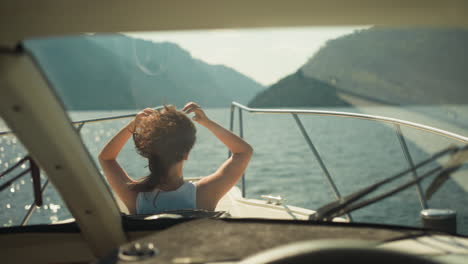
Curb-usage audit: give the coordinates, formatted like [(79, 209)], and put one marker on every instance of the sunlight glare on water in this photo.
[(53, 219)]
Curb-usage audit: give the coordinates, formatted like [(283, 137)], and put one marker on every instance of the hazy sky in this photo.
[(266, 55)]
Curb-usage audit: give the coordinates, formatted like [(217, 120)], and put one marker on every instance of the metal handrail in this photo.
[(357, 116), (396, 122), (307, 112), (295, 112), (80, 123), (408, 158)]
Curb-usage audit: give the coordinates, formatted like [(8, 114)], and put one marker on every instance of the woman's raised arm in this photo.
[(212, 188), (116, 175)]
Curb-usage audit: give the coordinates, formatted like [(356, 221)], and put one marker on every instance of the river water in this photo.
[(356, 152)]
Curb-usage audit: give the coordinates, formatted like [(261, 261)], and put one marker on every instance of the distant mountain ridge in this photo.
[(120, 72), (393, 66), (298, 90)]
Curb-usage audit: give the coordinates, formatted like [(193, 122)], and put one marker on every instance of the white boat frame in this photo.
[(32, 110)]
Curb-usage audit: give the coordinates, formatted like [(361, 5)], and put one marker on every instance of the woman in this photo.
[(165, 138)]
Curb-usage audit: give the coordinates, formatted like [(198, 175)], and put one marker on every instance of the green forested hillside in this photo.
[(120, 72), (385, 66), (402, 66), (297, 90)]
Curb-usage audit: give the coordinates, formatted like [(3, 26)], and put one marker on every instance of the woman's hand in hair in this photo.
[(139, 117), (200, 116)]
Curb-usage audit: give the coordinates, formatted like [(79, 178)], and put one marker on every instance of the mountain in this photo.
[(393, 66), (92, 72), (298, 90)]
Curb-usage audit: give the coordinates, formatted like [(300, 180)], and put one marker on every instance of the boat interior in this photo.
[(240, 230)]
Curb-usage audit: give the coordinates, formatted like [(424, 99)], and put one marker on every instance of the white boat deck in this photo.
[(239, 207)]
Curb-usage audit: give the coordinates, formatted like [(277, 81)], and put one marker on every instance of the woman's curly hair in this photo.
[(164, 138)]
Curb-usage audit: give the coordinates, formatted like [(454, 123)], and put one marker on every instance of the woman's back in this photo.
[(165, 138), (184, 197)]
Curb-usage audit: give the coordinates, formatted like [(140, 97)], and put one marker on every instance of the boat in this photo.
[(241, 229)]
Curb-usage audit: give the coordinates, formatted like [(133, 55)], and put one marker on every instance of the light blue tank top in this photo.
[(185, 197)]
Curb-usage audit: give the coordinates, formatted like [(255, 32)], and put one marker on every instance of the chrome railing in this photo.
[(295, 112)]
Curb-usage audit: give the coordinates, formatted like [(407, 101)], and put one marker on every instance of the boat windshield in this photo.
[(413, 75)]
